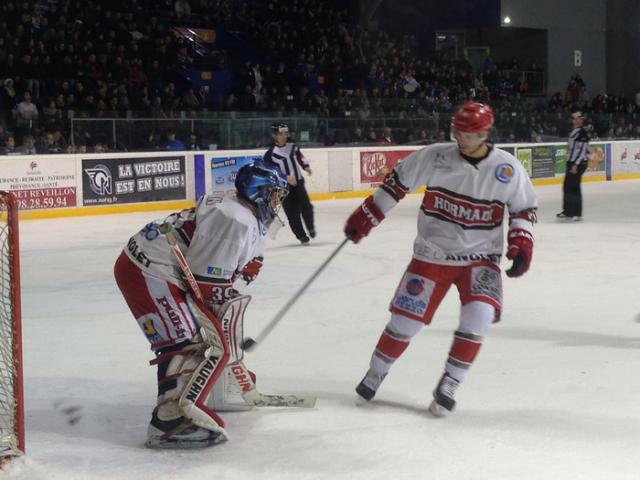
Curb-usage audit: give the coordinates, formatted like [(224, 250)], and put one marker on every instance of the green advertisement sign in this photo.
[(596, 158), (524, 156)]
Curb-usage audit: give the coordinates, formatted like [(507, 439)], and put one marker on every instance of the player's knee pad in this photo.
[(404, 326), (476, 317)]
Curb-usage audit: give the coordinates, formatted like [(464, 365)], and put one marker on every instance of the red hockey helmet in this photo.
[(473, 117)]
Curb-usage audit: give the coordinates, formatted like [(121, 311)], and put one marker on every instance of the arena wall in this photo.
[(91, 184)]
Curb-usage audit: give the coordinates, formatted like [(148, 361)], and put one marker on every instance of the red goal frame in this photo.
[(10, 206)]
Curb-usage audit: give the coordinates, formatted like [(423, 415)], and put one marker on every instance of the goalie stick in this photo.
[(249, 391)]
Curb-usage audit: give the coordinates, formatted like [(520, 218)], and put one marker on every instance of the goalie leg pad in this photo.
[(228, 393), (193, 398), (231, 318), (170, 426)]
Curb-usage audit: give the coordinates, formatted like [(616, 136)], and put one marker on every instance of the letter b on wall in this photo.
[(577, 58)]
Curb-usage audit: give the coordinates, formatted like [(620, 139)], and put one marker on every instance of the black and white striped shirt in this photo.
[(578, 146), (289, 159)]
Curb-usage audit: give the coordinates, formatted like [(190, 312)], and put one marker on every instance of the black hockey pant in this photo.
[(572, 195), (297, 207)]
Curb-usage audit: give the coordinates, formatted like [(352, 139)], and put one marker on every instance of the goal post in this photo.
[(11, 380)]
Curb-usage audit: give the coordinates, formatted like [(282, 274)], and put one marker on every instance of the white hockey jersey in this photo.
[(463, 208), (219, 236)]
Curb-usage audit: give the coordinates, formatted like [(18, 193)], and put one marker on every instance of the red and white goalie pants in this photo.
[(160, 307)]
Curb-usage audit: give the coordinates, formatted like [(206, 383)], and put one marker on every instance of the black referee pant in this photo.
[(298, 208), (572, 195)]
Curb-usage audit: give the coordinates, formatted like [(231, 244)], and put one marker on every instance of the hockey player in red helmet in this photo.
[(471, 127), (469, 188)]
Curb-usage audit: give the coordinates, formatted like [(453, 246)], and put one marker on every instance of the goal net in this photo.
[(11, 391)]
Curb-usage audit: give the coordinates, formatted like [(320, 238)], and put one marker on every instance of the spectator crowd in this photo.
[(67, 59)]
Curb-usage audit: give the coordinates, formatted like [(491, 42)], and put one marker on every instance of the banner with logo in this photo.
[(39, 183), (597, 157), (224, 170), (109, 181), (375, 165), (524, 157), (595, 164), (625, 158)]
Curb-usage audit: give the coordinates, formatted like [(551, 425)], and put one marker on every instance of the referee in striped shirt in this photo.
[(577, 157), (297, 206)]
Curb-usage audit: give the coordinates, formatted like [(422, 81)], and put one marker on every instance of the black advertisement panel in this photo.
[(543, 162), (108, 181)]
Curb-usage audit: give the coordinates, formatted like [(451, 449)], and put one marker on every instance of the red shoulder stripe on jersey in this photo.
[(529, 215), (392, 185), (186, 231)]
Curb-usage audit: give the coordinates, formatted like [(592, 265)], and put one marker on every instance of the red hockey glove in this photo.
[(520, 250), (362, 220), (252, 269)]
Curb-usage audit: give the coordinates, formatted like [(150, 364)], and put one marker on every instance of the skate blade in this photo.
[(184, 444), (438, 410)]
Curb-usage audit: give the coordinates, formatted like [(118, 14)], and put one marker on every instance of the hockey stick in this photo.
[(251, 394), (251, 343), (249, 391)]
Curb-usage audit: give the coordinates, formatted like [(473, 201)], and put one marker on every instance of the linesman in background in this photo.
[(297, 206), (577, 158)]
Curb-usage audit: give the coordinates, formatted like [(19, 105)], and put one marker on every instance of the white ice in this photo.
[(554, 393)]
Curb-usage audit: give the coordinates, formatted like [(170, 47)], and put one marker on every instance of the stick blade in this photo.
[(286, 400), (248, 344)]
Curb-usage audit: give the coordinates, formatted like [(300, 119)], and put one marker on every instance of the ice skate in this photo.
[(443, 401), (367, 388), (180, 433)]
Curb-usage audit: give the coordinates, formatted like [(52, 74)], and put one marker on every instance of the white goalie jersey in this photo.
[(464, 205), (228, 236)]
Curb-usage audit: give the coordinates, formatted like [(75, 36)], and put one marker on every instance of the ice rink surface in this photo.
[(554, 393)]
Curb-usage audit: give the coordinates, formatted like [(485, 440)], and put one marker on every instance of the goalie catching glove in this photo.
[(362, 220), (520, 250)]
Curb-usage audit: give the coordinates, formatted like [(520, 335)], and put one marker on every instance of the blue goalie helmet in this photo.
[(263, 186)]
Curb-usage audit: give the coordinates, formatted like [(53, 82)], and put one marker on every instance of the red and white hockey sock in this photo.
[(464, 349), (475, 319), (393, 342)]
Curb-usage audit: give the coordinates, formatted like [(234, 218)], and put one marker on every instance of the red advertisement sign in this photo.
[(375, 165), (46, 198)]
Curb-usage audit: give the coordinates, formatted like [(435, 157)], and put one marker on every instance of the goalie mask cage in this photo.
[(11, 389)]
